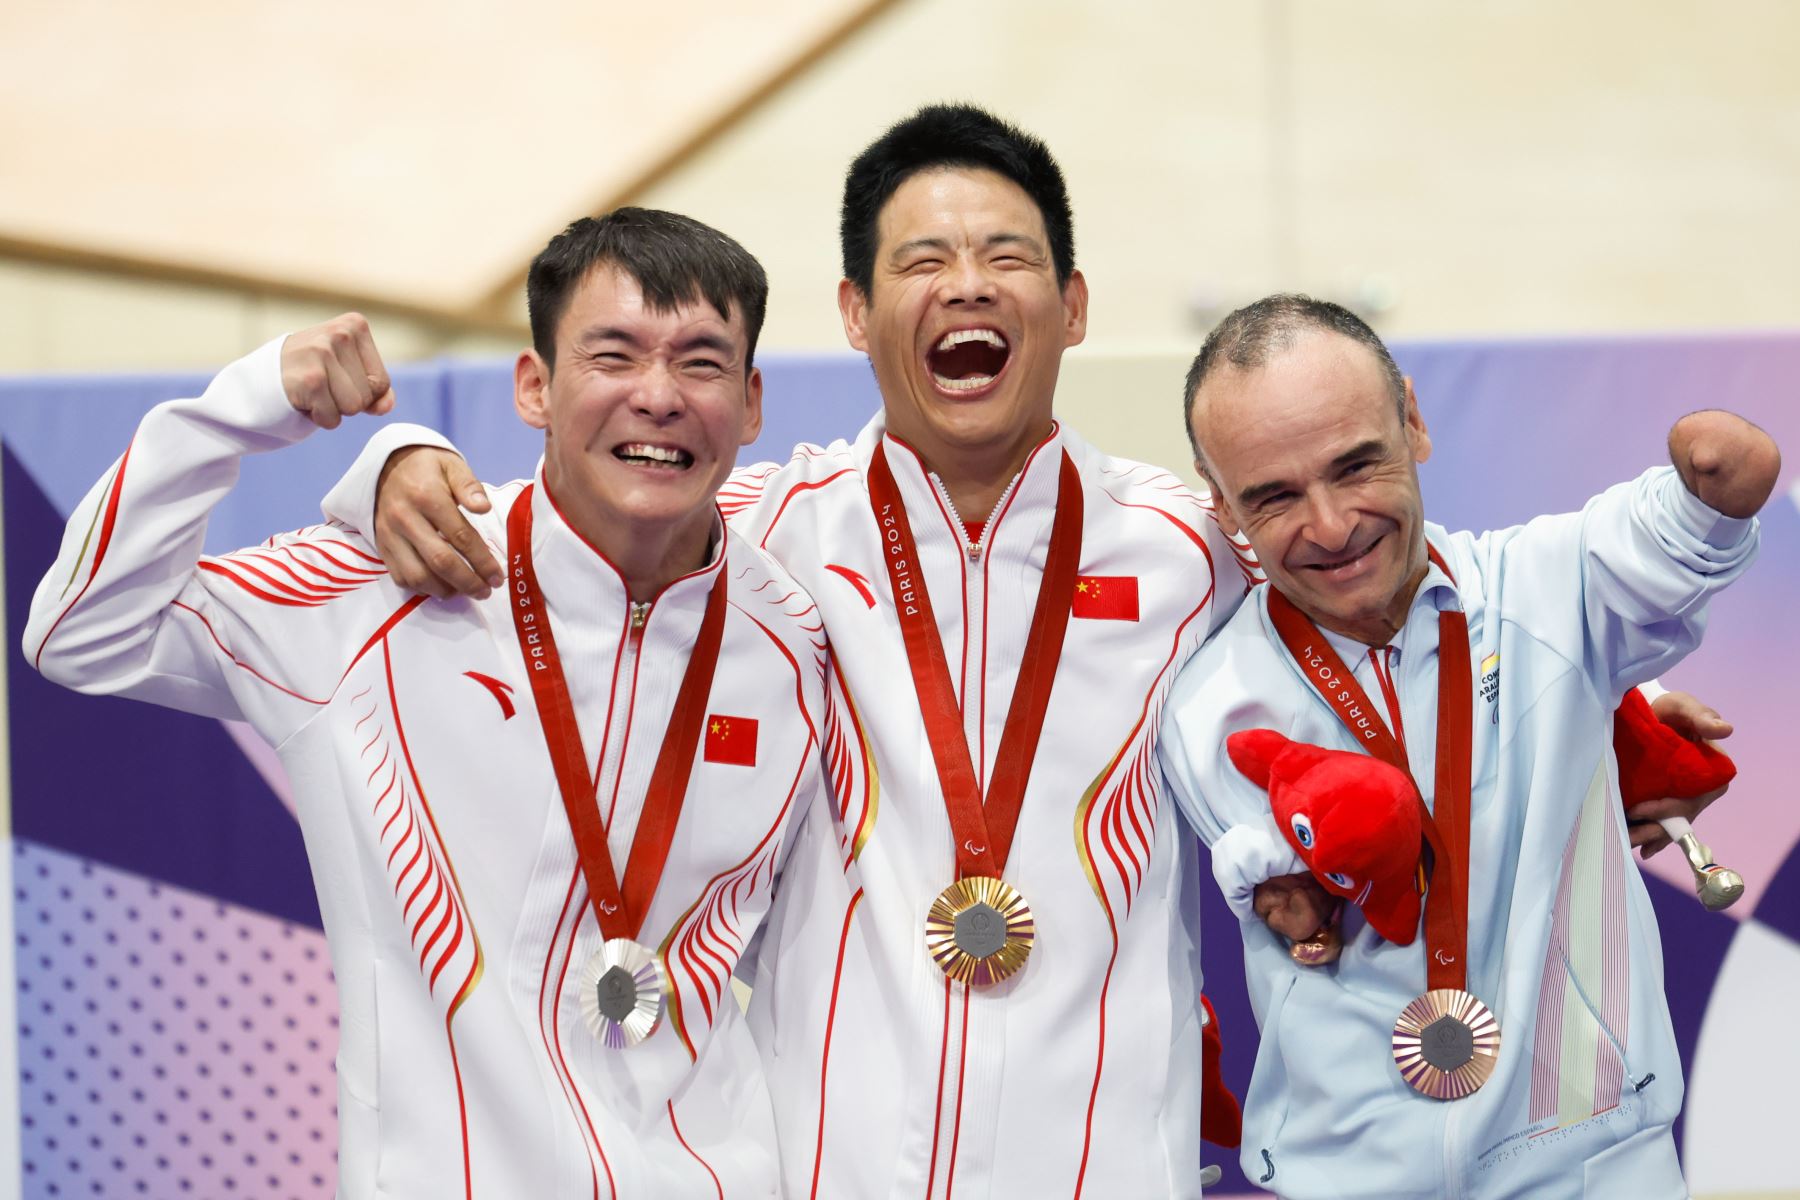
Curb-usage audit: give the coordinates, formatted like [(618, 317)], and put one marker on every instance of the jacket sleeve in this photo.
[(351, 500), (132, 606), (1649, 556), (1230, 813)]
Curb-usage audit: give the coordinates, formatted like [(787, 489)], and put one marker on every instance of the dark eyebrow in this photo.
[(608, 333), (1018, 239), (942, 245), (1250, 496), (1372, 448), (930, 243), (717, 343)]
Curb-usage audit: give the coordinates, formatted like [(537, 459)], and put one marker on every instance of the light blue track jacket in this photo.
[(1565, 613)]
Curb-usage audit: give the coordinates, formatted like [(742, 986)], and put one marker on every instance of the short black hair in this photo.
[(1249, 337), (676, 260), (946, 136)]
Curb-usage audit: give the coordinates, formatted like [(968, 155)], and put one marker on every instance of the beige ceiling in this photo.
[(407, 153)]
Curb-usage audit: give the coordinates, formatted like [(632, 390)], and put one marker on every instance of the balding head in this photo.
[(1248, 338)]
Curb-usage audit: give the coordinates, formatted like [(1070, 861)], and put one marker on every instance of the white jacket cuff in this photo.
[(1249, 854), (351, 500), (1700, 520), (248, 397)]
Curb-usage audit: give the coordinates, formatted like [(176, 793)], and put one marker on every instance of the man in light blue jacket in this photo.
[(1519, 1044)]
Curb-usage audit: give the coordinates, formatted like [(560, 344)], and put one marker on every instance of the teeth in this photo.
[(654, 453), (963, 385), (959, 336)]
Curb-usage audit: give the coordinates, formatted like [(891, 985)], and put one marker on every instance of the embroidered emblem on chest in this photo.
[(1105, 598), (730, 740), (502, 692), (1490, 686)]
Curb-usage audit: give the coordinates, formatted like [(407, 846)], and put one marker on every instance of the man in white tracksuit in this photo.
[(1310, 439), (667, 668)]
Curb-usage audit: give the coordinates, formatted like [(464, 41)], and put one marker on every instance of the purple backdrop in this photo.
[(175, 1011)]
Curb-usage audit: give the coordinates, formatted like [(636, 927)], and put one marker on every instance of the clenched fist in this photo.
[(333, 371)]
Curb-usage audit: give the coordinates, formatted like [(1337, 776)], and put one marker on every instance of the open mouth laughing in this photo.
[(653, 457), (966, 362)]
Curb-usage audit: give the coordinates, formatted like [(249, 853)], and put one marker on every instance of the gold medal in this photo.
[(979, 930), (622, 989), (1446, 1044)]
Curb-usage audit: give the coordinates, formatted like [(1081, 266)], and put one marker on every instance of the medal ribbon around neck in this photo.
[(980, 930), (1446, 1042), (1446, 829), (618, 909), (983, 826)]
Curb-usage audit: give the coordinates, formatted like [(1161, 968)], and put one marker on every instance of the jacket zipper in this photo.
[(971, 549), (625, 689)]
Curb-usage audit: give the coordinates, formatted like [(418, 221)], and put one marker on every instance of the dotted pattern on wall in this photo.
[(169, 1045)]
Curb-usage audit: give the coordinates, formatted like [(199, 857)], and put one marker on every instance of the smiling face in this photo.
[(965, 322), (643, 414), (1309, 458)]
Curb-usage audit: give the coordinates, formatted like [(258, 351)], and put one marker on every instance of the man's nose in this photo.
[(1329, 522), (658, 395), (968, 281)]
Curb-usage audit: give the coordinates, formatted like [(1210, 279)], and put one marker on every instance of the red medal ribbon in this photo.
[(619, 911), (1447, 830), (983, 827)]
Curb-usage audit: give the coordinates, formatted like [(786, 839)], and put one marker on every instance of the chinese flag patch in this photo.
[(1106, 598), (730, 740)]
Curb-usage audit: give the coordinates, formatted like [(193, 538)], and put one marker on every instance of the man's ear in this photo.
[(752, 407), (853, 307), (531, 389), (1416, 434), (1075, 309)]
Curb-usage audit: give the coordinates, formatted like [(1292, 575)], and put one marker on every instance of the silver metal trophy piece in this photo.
[(1718, 887)]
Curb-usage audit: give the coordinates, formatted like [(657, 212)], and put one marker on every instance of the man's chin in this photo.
[(1338, 607)]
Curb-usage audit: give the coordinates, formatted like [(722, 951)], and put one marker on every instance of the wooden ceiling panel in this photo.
[(408, 152)]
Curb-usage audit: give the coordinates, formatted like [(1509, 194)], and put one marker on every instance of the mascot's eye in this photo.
[(1302, 830), (1341, 879)]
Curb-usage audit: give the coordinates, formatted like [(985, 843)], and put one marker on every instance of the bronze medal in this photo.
[(979, 930), (1446, 1044), (622, 989)]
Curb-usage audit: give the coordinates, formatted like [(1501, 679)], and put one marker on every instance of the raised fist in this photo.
[(333, 370)]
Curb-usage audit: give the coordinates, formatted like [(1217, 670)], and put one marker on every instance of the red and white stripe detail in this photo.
[(417, 863), (298, 573)]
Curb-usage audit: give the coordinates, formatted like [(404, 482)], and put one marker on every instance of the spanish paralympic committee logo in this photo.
[(1490, 684)]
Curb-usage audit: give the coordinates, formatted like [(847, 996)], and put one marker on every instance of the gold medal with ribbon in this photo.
[(979, 930)]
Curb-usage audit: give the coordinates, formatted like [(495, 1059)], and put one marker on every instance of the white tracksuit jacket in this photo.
[(1080, 1076), (1565, 613), (457, 915)]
